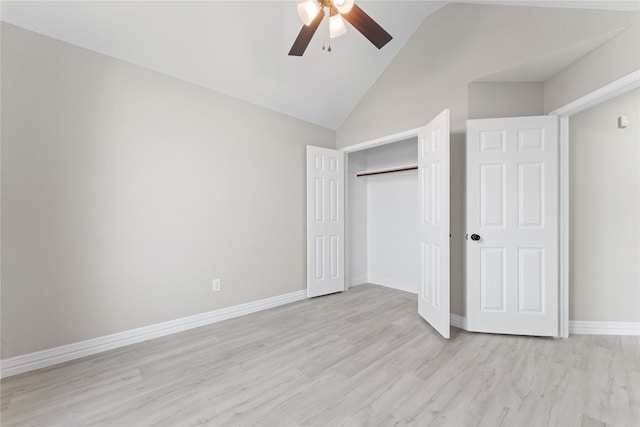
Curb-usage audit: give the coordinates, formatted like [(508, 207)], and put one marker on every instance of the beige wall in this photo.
[(460, 44), (489, 100), (605, 212), (614, 59), (125, 192)]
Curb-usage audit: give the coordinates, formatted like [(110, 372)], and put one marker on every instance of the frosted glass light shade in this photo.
[(307, 11), (343, 6), (336, 26)]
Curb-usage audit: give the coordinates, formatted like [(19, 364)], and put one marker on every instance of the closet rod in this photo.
[(406, 168)]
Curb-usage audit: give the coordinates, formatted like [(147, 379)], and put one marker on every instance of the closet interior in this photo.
[(382, 216)]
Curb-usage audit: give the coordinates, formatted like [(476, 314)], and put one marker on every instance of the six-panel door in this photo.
[(325, 221), (512, 225), (433, 227)]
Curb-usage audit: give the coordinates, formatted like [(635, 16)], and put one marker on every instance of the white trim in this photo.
[(458, 321), (400, 136), (53, 356), (606, 92), (391, 285), (358, 280), (609, 91), (578, 327), (604, 328), (347, 250), (563, 228)]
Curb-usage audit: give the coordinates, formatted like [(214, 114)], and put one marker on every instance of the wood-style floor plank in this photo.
[(359, 358)]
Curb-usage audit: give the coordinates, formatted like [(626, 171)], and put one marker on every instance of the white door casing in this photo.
[(512, 211), (325, 221), (434, 187)]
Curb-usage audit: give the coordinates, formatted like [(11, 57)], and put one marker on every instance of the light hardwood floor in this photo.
[(360, 358)]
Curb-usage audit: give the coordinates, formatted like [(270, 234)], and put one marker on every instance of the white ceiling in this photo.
[(240, 48)]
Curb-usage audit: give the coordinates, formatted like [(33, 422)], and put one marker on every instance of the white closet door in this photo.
[(433, 173), (512, 221), (325, 221)]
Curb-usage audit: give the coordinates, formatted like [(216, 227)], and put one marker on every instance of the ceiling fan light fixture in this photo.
[(343, 6), (338, 9), (308, 10), (336, 26)]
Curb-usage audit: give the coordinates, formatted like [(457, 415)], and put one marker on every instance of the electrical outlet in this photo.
[(215, 285)]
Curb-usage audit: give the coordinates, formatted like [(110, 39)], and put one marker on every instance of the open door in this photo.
[(433, 173), (325, 221), (512, 224)]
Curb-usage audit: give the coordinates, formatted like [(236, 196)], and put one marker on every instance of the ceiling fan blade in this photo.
[(305, 35), (367, 26)]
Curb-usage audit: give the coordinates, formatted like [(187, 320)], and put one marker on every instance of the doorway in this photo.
[(325, 217)]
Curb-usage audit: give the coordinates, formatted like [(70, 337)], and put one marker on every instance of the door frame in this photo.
[(384, 140), (598, 96)]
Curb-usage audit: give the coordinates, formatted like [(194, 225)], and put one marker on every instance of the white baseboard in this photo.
[(358, 280), (458, 321), (604, 328), (390, 284), (45, 358), (53, 356), (577, 327)]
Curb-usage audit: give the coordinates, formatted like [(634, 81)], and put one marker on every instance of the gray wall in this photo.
[(614, 59), (125, 192), (509, 99), (356, 220), (461, 44), (605, 212)]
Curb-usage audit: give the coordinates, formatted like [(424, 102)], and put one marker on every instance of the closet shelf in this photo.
[(390, 170)]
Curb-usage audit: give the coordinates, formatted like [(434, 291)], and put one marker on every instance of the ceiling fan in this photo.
[(311, 13)]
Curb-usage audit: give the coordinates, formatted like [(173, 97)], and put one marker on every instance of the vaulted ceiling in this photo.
[(239, 48)]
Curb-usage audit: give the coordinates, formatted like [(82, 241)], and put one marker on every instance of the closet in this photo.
[(379, 212), (382, 216), (392, 197)]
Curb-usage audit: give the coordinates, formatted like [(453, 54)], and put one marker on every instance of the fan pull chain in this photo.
[(328, 28)]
